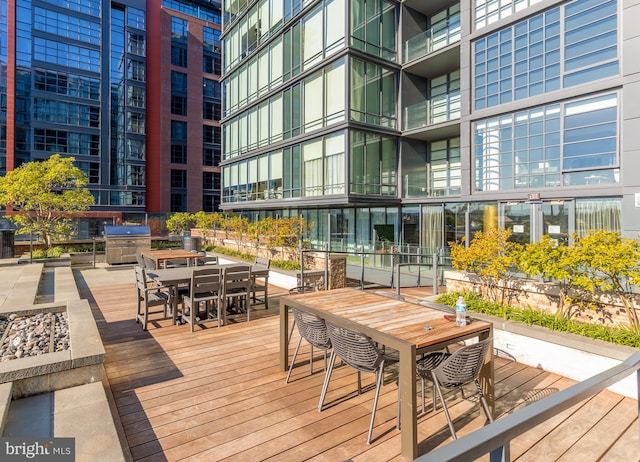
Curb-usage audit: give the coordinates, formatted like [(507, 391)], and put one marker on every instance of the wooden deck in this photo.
[(218, 394)]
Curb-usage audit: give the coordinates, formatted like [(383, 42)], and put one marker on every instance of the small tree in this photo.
[(492, 257), (180, 221), (46, 196), (611, 264), (561, 263)]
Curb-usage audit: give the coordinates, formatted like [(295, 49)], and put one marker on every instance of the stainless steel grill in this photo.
[(123, 242)]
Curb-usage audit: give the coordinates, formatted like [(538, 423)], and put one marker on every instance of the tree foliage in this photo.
[(491, 256), (276, 234), (180, 221), (601, 263), (46, 196)]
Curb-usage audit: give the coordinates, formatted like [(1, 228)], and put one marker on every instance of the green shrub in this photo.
[(283, 264), (39, 253), (55, 252), (620, 335)]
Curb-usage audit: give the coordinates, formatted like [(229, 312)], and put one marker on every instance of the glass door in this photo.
[(518, 217), (556, 220), (528, 222)]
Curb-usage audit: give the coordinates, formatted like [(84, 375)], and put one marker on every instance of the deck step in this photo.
[(80, 412)]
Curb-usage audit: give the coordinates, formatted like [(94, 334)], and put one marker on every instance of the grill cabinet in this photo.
[(121, 243)]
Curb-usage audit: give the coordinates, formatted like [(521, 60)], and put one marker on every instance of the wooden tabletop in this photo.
[(389, 317), (170, 254)]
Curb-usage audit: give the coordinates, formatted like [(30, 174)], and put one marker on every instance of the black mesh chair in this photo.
[(360, 352), (453, 370), (294, 291), (314, 330)]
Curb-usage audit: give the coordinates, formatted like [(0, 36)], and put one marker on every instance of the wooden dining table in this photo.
[(161, 256), (409, 328)]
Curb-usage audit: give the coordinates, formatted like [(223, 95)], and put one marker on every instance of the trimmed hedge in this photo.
[(620, 335)]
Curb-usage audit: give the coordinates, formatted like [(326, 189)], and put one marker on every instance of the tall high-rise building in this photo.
[(128, 88), (421, 122)]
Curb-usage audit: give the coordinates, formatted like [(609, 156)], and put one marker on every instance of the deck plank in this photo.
[(218, 394)]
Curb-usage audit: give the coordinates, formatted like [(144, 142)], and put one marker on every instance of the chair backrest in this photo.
[(205, 281), (463, 366), (141, 283), (206, 259), (354, 348), (261, 261), (149, 263), (237, 280), (312, 328)]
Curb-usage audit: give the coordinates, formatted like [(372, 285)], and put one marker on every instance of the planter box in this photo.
[(86, 258), (570, 355), (542, 296), (562, 353)]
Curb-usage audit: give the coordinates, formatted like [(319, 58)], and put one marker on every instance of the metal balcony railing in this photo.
[(496, 437)]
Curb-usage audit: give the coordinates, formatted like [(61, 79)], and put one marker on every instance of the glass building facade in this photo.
[(74, 75), (431, 119)]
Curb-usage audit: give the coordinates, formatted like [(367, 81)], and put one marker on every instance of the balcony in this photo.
[(433, 39), (430, 112)]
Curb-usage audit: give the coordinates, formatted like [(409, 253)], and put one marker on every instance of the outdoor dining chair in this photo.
[(260, 287), (149, 297), (454, 370), (204, 289), (314, 330), (299, 290), (236, 292), (357, 350)]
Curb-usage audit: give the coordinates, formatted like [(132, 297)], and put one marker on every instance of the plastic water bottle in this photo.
[(461, 312)]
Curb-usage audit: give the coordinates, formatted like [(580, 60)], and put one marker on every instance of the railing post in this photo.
[(398, 282), (500, 454), (94, 253), (326, 267), (301, 266), (362, 267), (392, 261), (435, 273)]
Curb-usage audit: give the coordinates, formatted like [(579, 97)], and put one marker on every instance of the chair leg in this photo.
[(293, 360), (311, 360), (444, 407), (192, 314), (145, 317), (433, 397), (327, 377), (483, 400), (375, 400)]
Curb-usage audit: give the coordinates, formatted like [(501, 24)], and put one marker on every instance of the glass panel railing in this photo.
[(442, 109), (433, 39)]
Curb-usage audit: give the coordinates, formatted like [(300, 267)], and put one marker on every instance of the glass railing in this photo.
[(429, 112), (432, 39)]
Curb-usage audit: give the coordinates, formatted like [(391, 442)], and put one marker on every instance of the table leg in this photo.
[(284, 336), (408, 406), (487, 381)]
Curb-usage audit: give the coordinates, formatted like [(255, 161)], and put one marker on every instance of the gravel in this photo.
[(31, 335)]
